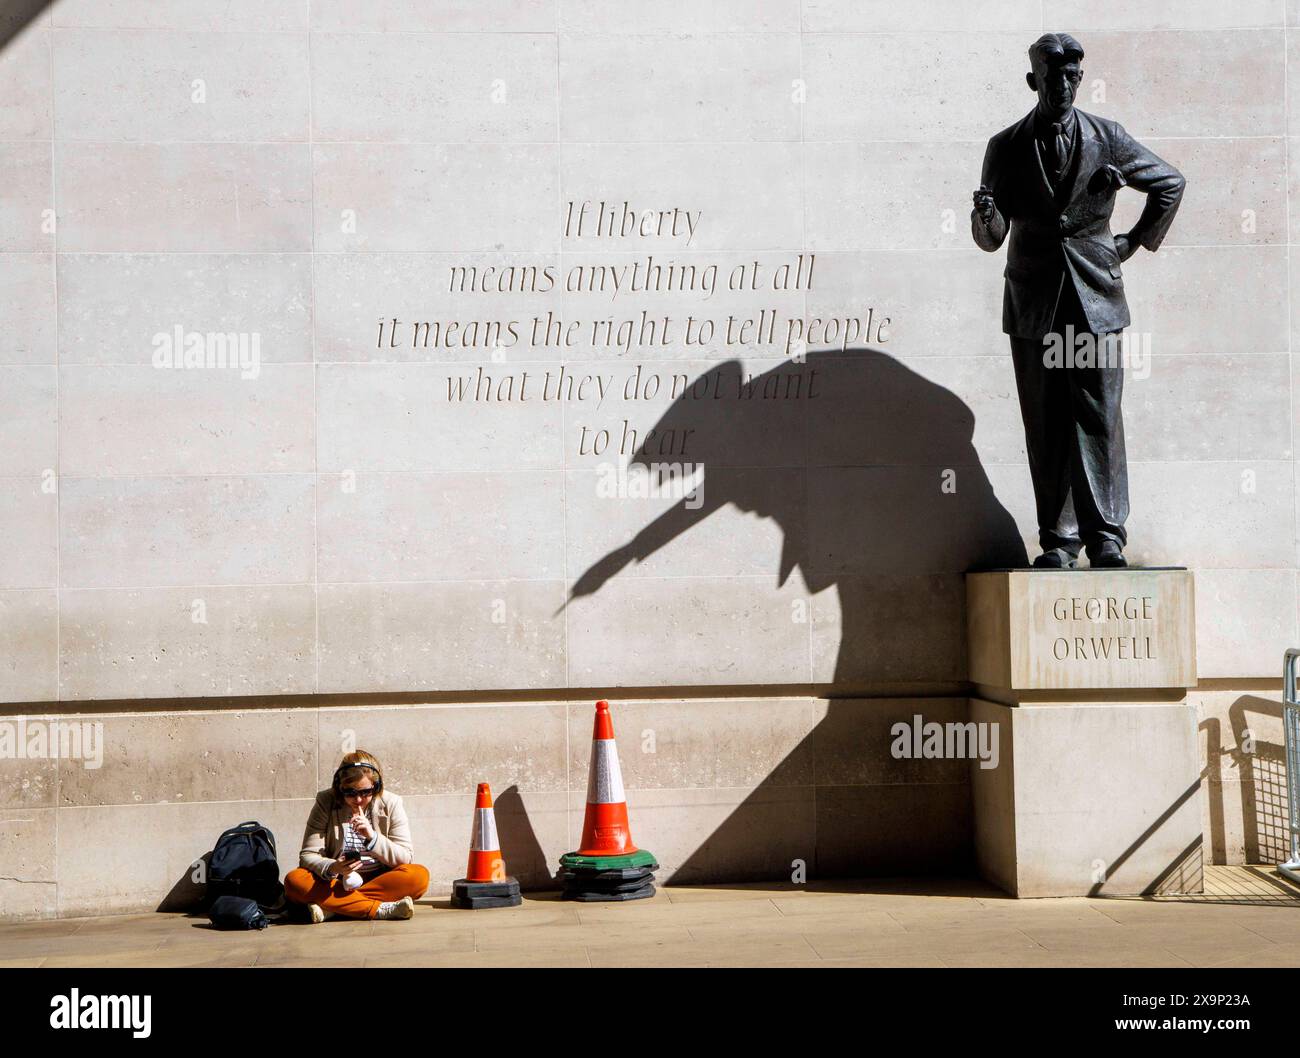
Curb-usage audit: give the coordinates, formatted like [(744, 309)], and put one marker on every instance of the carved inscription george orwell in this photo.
[(1122, 628), (1038, 630)]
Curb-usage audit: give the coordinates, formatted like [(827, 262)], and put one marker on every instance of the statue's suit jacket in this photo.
[(1068, 233)]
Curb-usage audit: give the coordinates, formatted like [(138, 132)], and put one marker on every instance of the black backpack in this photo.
[(243, 864), (237, 912)]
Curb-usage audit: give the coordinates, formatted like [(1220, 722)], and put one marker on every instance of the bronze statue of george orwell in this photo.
[(1049, 182)]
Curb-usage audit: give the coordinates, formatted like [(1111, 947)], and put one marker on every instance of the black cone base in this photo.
[(616, 884), (476, 896), (616, 878), (587, 885), (591, 896), (597, 878)]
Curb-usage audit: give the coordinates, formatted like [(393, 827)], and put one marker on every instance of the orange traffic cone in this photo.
[(605, 830), (485, 862), (485, 883)]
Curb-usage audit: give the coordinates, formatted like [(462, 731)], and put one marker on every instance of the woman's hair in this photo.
[(354, 767)]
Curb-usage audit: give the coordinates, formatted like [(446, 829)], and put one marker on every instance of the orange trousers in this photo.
[(407, 879)]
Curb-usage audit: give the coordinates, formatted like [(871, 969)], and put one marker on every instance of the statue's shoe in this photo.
[(1107, 556), (1056, 558)]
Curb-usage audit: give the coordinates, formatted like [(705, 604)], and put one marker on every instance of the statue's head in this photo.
[(1055, 72)]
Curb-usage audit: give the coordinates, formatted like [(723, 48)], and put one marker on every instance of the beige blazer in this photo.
[(322, 841)]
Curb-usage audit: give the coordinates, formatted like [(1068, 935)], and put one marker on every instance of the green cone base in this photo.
[(640, 858)]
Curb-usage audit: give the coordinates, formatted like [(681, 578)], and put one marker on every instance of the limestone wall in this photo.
[(211, 551)]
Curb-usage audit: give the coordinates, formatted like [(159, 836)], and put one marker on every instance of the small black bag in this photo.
[(237, 912), (243, 864)]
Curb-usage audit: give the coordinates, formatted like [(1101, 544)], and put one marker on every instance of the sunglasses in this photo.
[(356, 791)]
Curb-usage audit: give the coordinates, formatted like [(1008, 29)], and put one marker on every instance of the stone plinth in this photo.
[(1034, 631), (1085, 673)]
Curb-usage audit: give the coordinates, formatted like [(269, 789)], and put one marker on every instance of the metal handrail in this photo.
[(1291, 731)]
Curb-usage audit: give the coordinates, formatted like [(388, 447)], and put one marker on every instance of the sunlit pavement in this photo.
[(1248, 916)]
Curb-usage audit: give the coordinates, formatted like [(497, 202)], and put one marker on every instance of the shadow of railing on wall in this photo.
[(1257, 794)]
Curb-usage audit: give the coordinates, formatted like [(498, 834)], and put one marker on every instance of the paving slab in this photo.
[(1247, 917)]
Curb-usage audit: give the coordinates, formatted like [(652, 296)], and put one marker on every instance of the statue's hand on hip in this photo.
[(1126, 246)]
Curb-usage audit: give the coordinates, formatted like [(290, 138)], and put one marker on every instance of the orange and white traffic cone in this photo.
[(608, 866), (485, 861), (485, 883), (605, 830)]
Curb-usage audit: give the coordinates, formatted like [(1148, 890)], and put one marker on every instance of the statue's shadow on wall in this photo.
[(878, 492)]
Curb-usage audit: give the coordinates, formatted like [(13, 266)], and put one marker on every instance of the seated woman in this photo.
[(356, 850)]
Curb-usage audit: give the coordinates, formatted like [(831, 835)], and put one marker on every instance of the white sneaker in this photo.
[(317, 913), (397, 909)]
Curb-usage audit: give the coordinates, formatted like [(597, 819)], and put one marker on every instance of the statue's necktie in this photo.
[(1062, 148)]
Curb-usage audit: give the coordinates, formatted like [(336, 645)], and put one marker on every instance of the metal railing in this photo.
[(1291, 727)]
